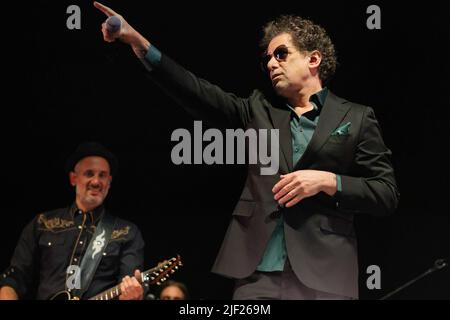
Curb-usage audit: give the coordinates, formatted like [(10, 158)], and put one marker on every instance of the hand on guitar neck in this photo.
[(131, 288)]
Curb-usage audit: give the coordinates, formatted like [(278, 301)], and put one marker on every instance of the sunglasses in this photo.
[(280, 54)]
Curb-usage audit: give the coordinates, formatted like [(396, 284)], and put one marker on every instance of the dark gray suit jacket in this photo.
[(319, 232)]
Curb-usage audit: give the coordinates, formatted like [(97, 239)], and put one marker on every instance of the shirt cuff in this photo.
[(338, 183), (153, 56)]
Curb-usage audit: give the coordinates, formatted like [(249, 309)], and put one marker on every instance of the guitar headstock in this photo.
[(162, 271)]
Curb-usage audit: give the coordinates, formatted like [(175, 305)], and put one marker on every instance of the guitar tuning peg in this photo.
[(163, 279), (167, 275), (176, 267), (158, 283)]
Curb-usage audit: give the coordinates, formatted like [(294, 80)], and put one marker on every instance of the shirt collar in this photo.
[(317, 100), (94, 215)]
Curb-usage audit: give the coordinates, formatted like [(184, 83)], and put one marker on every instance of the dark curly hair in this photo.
[(307, 36)]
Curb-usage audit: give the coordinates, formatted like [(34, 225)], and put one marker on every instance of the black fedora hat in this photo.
[(89, 149)]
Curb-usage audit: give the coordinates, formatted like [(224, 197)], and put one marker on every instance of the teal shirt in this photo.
[(302, 130)]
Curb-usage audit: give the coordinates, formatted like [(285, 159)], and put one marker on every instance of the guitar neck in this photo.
[(109, 294), (156, 275), (115, 291)]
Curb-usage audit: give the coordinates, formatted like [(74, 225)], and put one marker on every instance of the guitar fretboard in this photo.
[(109, 294)]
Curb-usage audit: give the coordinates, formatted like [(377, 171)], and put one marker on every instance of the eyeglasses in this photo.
[(280, 54)]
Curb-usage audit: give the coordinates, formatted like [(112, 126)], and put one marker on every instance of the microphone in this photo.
[(113, 24)]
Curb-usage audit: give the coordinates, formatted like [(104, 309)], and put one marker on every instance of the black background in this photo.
[(68, 86)]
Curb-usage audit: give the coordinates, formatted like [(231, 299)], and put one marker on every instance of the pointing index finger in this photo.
[(108, 11)]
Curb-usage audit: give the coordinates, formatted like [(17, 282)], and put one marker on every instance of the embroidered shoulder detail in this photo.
[(54, 223), (120, 232)]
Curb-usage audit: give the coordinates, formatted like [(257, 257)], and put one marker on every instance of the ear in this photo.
[(315, 58), (73, 178)]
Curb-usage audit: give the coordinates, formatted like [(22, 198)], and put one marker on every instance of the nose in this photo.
[(95, 182), (272, 64)]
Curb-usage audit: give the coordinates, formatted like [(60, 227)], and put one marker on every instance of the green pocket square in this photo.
[(342, 130)]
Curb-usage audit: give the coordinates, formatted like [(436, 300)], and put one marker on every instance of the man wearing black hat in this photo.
[(56, 245)]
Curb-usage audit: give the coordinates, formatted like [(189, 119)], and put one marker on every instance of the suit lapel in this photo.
[(281, 120), (331, 115)]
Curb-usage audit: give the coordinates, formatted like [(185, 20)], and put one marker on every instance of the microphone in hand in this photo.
[(113, 25)]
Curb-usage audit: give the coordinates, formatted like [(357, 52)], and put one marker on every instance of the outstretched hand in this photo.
[(127, 34), (108, 36)]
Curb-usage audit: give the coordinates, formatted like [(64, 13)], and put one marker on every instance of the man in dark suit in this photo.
[(291, 235)]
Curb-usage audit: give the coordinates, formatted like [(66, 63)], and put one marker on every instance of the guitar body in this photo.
[(63, 295)]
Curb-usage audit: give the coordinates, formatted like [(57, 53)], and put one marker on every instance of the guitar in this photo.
[(155, 275)]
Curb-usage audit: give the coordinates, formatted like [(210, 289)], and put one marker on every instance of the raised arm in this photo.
[(197, 96)]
